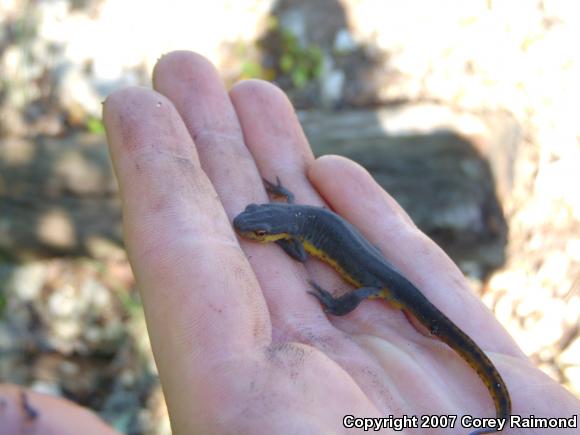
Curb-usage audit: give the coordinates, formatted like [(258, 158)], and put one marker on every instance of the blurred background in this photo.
[(467, 112)]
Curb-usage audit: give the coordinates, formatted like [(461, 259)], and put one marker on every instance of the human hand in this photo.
[(240, 344)]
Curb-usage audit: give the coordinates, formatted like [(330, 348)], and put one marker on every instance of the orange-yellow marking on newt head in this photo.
[(264, 237)]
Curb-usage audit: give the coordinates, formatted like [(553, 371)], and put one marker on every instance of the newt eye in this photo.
[(260, 233)]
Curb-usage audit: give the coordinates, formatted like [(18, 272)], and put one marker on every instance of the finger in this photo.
[(383, 222), (25, 411), (196, 89), (200, 297), (275, 138)]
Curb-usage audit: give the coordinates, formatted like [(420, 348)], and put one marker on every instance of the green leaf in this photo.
[(252, 69), (299, 78), (95, 125), (286, 63), (3, 304)]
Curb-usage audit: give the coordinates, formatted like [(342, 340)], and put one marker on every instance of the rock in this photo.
[(24, 281), (63, 199)]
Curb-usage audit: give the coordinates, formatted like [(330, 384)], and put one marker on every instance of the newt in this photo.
[(302, 229)]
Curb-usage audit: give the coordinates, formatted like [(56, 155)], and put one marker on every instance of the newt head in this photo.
[(266, 222)]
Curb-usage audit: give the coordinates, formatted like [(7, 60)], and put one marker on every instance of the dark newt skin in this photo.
[(302, 229)]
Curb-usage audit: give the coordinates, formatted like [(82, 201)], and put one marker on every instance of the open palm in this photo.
[(240, 345)]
